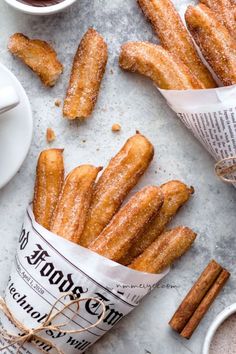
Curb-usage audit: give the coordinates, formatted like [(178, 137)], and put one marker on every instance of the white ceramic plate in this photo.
[(16, 128)]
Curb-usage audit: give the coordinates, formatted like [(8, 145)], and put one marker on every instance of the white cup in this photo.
[(44, 10), (220, 318), (8, 99)]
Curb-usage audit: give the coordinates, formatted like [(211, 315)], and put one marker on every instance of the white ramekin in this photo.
[(33, 10), (228, 311)]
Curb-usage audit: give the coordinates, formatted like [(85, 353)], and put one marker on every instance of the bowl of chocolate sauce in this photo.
[(40, 7)]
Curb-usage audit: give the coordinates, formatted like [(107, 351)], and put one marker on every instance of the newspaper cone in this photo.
[(210, 115), (45, 267)]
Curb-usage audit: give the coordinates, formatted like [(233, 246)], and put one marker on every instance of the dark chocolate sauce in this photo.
[(40, 3)]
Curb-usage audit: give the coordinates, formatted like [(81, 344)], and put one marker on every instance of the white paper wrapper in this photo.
[(210, 115), (46, 265)]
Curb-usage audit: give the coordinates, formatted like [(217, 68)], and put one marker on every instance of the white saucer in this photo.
[(16, 128)]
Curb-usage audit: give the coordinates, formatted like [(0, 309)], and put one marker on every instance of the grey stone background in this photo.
[(133, 102)]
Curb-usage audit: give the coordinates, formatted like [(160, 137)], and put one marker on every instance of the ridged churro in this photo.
[(71, 210), (130, 220), (155, 62), (48, 184), (175, 194), (165, 250), (214, 40), (86, 76), (225, 11), (175, 38), (120, 176), (38, 55)]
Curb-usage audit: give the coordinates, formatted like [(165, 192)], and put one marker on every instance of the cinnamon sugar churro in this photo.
[(71, 210), (48, 184), (214, 40), (120, 176), (225, 11), (175, 194), (175, 38), (38, 55), (165, 250), (130, 220), (86, 76), (162, 67)]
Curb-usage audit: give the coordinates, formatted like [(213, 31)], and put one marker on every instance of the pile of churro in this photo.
[(87, 208), (175, 64)]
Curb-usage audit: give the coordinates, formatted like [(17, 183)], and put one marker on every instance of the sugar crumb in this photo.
[(116, 127), (50, 135), (58, 102)]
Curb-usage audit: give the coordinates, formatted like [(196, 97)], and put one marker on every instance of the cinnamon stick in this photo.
[(195, 296), (205, 304)]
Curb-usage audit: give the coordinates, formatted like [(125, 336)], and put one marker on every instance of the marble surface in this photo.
[(133, 102)]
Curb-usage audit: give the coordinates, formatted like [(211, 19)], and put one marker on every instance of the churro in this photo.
[(120, 176), (130, 220), (86, 76), (38, 55), (175, 194), (69, 216), (165, 250), (175, 38), (48, 184), (155, 62), (214, 40), (225, 13)]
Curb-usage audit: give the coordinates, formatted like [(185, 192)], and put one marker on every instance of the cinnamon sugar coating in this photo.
[(48, 184), (175, 194), (214, 40), (175, 38), (128, 223), (155, 62), (69, 216), (225, 12), (120, 176), (38, 55), (86, 76), (165, 250)]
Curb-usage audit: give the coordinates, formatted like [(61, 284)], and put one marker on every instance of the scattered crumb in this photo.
[(116, 127), (97, 149), (111, 71), (155, 172), (50, 135), (84, 141), (57, 102)]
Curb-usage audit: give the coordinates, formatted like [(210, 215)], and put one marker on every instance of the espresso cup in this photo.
[(47, 7), (8, 99)]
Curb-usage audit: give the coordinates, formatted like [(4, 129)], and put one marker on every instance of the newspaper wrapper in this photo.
[(210, 115), (45, 266)]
